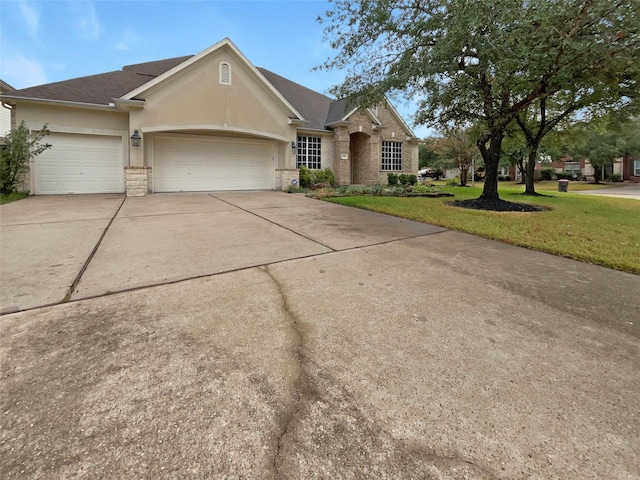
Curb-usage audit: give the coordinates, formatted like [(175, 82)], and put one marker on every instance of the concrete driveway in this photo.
[(266, 335), (631, 190)]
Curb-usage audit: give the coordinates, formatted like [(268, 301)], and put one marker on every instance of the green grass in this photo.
[(12, 197), (600, 230), (550, 185)]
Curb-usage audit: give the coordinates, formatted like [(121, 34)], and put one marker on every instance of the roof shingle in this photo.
[(101, 89)]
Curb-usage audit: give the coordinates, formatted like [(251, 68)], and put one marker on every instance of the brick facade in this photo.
[(358, 147)]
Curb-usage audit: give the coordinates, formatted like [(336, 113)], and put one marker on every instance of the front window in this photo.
[(309, 152), (391, 156), (636, 168), (572, 168)]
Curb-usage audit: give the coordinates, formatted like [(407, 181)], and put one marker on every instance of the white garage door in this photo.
[(80, 164), (201, 164)]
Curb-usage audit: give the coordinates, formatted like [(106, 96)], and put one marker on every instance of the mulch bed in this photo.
[(428, 194), (496, 205)]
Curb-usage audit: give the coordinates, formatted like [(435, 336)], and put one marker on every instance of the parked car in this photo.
[(433, 173)]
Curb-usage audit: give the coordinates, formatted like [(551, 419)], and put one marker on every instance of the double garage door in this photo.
[(193, 163), (78, 163)]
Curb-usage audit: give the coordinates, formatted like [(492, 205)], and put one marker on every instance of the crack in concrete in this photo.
[(300, 384)]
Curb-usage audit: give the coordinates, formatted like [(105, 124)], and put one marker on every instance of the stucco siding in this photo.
[(5, 120), (70, 120), (195, 98)]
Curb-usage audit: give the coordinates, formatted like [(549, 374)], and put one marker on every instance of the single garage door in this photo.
[(80, 164), (199, 164)]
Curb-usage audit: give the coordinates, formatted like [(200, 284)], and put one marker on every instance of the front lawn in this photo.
[(600, 230), (12, 197)]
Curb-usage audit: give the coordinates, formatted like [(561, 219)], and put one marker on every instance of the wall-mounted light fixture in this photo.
[(293, 146), (135, 139)]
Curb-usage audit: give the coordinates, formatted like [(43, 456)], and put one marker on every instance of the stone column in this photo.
[(341, 158), (137, 180), (285, 176)]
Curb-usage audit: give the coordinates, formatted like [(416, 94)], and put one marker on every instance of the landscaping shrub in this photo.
[(413, 179), (423, 189), (392, 178), (614, 178), (547, 173), (308, 178), (324, 176), (19, 146), (377, 189), (508, 178), (403, 178)]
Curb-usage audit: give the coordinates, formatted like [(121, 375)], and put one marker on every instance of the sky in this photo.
[(49, 41)]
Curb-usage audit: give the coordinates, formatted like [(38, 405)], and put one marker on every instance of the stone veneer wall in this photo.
[(137, 181), (370, 170), (285, 176)]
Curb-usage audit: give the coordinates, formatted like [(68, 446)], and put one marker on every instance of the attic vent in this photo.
[(225, 73)]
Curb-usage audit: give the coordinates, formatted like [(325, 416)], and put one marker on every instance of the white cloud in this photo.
[(129, 41), (87, 21), (31, 18), (21, 72)]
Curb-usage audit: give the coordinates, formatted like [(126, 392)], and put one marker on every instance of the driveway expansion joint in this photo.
[(274, 223), (76, 281)]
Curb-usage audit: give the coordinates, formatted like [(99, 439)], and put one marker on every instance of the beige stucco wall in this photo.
[(5, 120), (195, 101), (73, 120)]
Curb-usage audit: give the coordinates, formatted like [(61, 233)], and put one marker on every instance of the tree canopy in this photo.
[(483, 63)]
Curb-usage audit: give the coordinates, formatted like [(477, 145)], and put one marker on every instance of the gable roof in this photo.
[(99, 89), (313, 106), (316, 110), (5, 87)]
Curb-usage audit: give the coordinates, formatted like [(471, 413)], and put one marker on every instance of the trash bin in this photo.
[(563, 185)]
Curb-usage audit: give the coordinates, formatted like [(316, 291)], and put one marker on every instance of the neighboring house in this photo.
[(211, 121), (5, 109), (623, 166), (630, 167)]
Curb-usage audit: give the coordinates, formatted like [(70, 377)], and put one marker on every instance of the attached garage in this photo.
[(203, 163), (78, 163)]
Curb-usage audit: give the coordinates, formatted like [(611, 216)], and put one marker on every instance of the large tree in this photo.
[(485, 62)]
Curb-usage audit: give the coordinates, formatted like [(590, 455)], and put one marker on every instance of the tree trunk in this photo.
[(463, 176), (597, 173), (491, 159), (523, 170), (531, 170)]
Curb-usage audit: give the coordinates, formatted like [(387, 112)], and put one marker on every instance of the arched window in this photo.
[(225, 73)]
